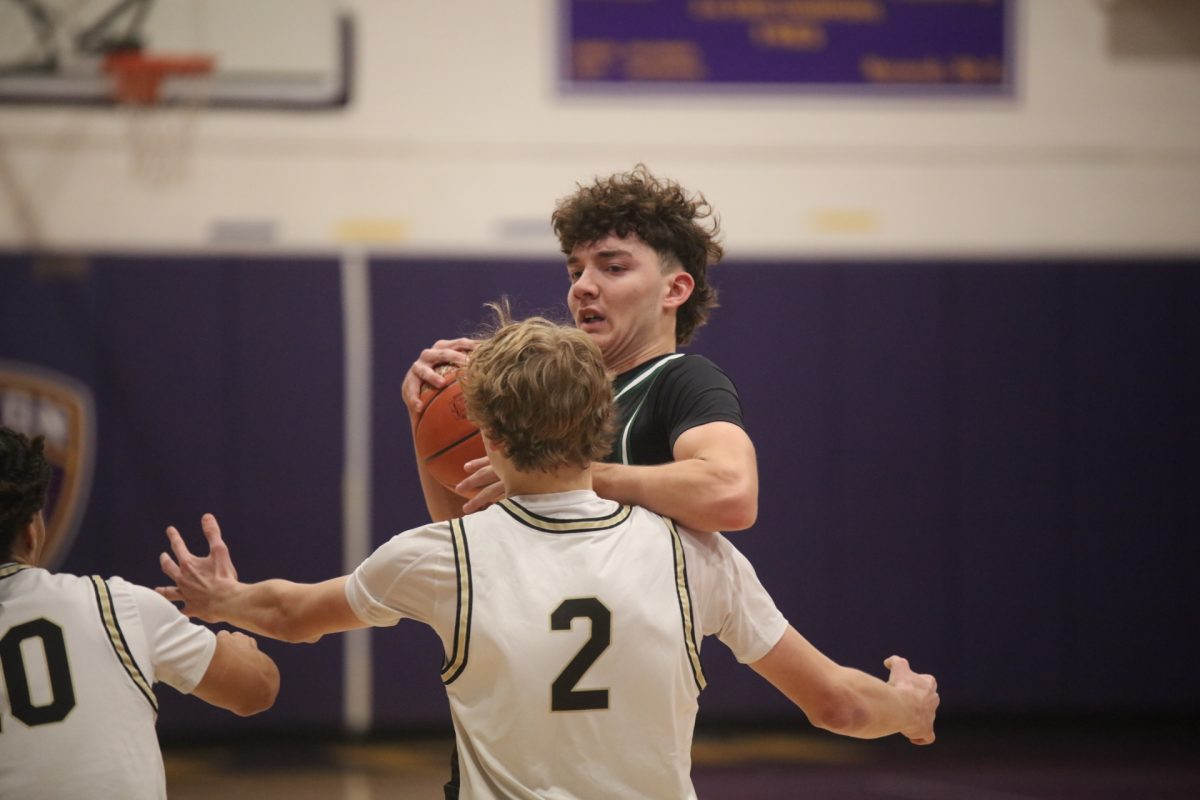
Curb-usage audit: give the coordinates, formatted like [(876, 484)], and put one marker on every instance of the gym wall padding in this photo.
[(989, 467)]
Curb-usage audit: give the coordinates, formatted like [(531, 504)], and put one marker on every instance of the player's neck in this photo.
[(640, 344), (517, 481), (620, 363), (26, 547), (564, 480)]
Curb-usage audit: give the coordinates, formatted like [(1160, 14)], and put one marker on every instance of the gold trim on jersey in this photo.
[(108, 615), (685, 606), (551, 525), (457, 661), (12, 569)]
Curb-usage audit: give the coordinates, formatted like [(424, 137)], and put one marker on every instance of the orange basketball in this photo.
[(445, 438)]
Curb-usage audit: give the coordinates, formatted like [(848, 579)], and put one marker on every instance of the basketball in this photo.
[(445, 438)]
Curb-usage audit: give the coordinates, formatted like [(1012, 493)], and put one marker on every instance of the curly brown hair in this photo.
[(541, 390), (663, 215), (24, 478)]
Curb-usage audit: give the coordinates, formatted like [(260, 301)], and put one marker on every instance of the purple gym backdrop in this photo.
[(987, 466)]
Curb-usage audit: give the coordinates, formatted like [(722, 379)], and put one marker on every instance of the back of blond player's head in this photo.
[(540, 391)]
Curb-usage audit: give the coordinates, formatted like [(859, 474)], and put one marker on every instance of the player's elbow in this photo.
[(259, 691), (293, 631), (741, 513), (287, 623), (840, 710), (735, 506)]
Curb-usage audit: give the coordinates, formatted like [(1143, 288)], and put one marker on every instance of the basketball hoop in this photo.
[(160, 123), (138, 77)]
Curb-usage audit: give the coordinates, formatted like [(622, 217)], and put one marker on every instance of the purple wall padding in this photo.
[(988, 467), (218, 388)]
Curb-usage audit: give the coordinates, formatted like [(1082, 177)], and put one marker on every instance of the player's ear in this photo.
[(680, 285)]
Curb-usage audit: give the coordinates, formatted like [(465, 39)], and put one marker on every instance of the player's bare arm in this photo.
[(711, 486), (847, 701), (441, 503), (209, 589), (240, 678)]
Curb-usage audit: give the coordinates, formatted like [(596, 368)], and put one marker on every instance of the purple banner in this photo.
[(838, 46)]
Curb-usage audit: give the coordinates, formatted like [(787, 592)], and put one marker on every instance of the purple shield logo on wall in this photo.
[(40, 402)]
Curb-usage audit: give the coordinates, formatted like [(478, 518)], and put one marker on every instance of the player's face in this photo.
[(618, 297)]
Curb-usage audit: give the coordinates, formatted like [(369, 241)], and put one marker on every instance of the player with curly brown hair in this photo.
[(638, 253), (663, 216)]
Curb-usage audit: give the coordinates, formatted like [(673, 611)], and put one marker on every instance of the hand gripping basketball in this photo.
[(445, 439)]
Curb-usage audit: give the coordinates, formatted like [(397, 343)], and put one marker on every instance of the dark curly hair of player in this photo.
[(24, 478), (663, 215)]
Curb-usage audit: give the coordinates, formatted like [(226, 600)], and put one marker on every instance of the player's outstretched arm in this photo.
[(209, 589), (712, 485), (847, 701), (240, 677)]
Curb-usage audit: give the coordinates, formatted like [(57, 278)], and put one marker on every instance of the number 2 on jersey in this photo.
[(563, 694)]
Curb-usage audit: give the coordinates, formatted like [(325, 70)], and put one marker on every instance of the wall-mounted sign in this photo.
[(833, 46)]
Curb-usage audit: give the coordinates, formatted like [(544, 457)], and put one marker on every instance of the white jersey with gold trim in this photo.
[(572, 628), (80, 657)]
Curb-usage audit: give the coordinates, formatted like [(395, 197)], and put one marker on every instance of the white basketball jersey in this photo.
[(572, 639), (77, 708)]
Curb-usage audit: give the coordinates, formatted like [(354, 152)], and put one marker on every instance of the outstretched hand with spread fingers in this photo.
[(200, 582), (921, 691)]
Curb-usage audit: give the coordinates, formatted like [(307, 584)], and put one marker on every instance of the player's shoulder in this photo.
[(433, 531), (415, 543), (67, 587), (695, 367), (693, 361), (47, 581), (134, 602), (642, 516), (142, 594), (690, 539)]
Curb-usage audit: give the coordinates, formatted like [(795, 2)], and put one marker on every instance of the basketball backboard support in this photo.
[(267, 54)]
